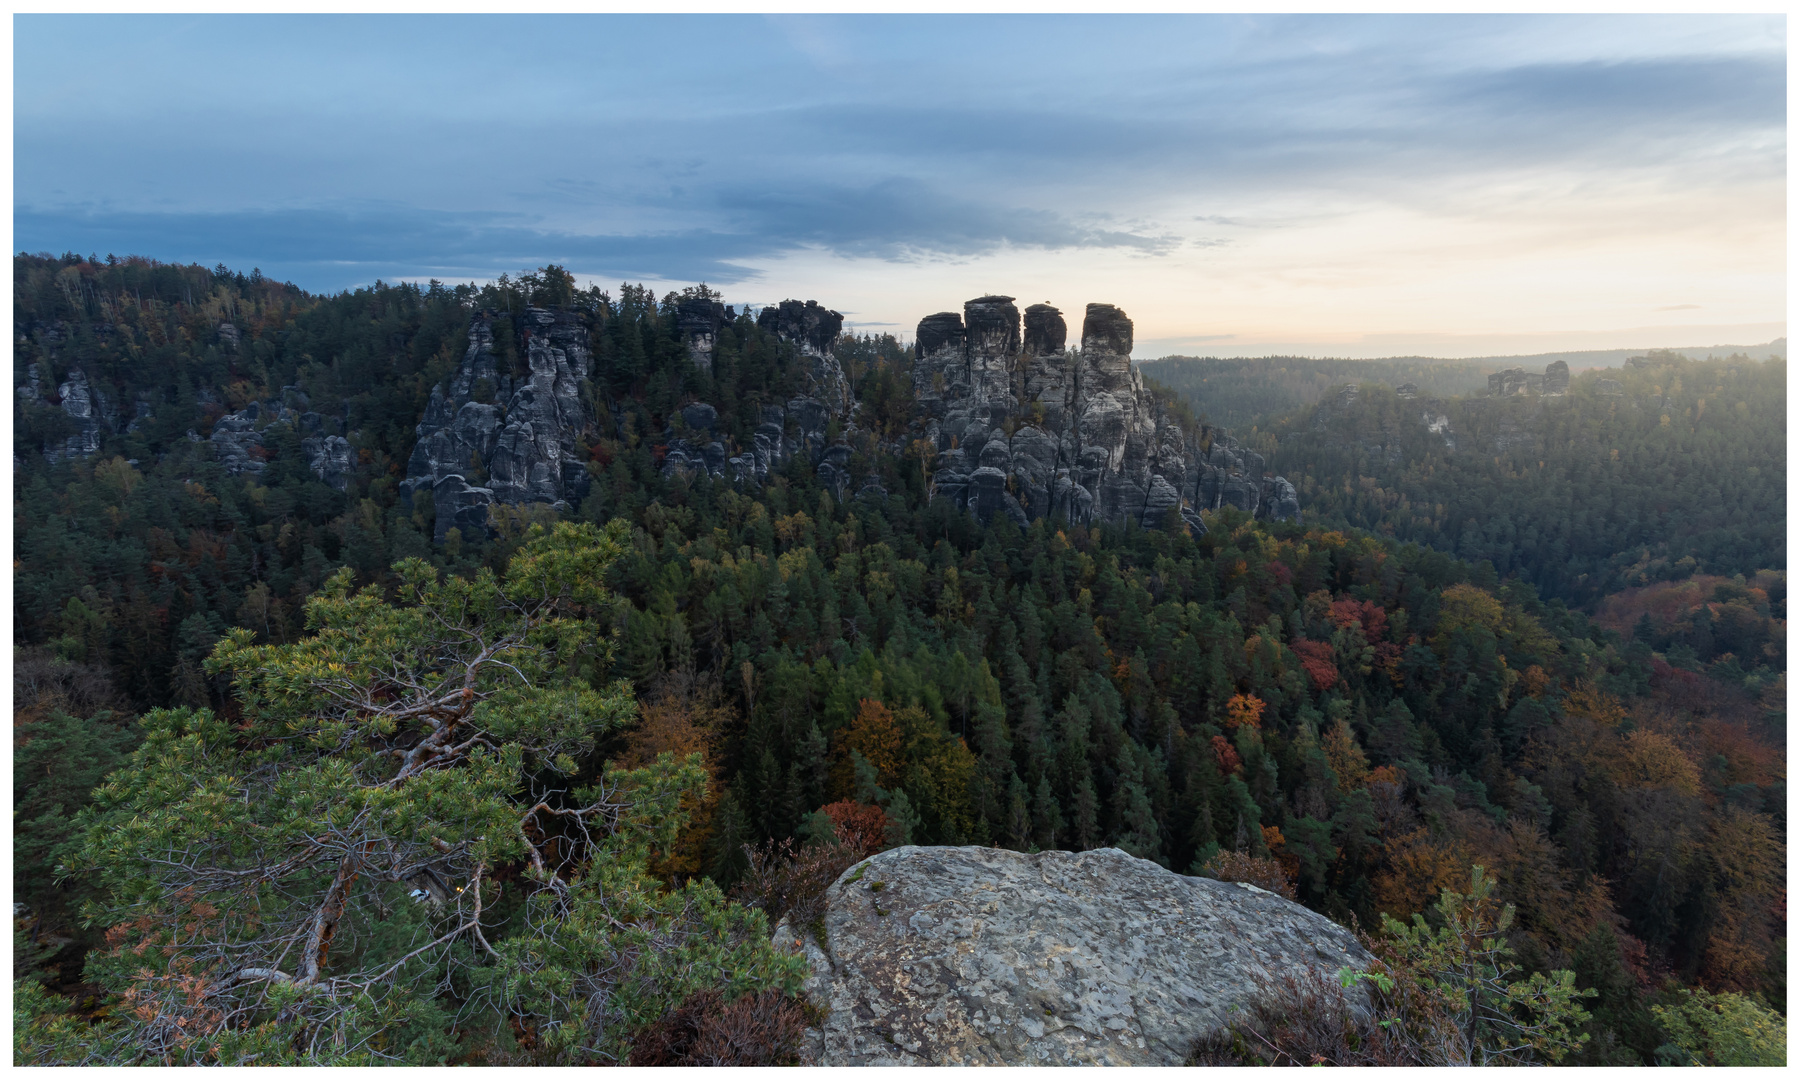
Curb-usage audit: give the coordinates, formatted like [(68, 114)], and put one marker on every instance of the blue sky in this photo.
[(1340, 185)]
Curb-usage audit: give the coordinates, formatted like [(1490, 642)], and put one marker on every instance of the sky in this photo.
[(1240, 185)]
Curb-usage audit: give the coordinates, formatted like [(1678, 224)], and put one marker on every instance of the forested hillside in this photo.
[(1652, 472), (1237, 393), (1349, 709)]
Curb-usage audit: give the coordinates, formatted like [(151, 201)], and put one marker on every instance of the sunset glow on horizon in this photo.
[(1346, 186)]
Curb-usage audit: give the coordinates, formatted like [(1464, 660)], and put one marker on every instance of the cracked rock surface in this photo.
[(980, 956)]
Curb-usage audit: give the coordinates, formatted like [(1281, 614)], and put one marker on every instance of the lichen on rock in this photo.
[(980, 956)]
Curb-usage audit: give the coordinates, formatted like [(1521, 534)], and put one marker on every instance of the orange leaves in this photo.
[(1739, 756), (1226, 755), (863, 828), (1367, 614), (1244, 710), (1420, 866), (1750, 862), (1316, 659), (1388, 774), (1280, 856)]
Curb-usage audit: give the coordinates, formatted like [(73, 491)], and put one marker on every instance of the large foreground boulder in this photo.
[(977, 956)]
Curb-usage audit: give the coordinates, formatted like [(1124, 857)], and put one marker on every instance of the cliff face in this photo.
[(981, 956), (497, 435), (238, 438), (1023, 425), (1027, 429), (82, 403), (801, 426)]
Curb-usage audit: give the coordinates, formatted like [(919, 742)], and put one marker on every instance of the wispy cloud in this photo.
[(336, 150)]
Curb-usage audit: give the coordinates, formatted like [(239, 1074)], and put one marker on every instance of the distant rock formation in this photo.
[(699, 321), (87, 405), (1556, 379), (801, 426), (982, 956), (238, 438), (473, 451), (1025, 428), (1512, 382)]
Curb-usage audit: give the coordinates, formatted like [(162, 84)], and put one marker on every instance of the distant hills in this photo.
[(1239, 393)]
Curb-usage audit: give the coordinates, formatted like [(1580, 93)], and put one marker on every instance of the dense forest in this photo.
[(1665, 468), (1356, 708), (1242, 393)]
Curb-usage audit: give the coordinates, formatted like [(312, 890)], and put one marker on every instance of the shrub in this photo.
[(763, 1028), (790, 880), (1432, 997), (1262, 873)]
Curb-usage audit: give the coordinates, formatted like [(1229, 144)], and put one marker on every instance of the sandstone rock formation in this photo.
[(980, 956), (1554, 382), (1028, 429), (801, 426), (814, 331), (505, 436), (699, 320), (87, 405), (1556, 379), (238, 438)]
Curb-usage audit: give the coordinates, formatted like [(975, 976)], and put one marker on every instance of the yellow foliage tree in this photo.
[(1651, 759), (1465, 606), (1346, 757)]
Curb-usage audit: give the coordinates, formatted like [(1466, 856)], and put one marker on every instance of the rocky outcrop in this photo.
[(1512, 382), (504, 435), (980, 956), (801, 426), (699, 320), (82, 402), (237, 443), (814, 331), (328, 456), (239, 438), (1026, 428)]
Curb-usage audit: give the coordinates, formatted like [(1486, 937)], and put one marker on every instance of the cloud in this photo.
[(340, 248), (895, 220), (698, 149), (902, 218)]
